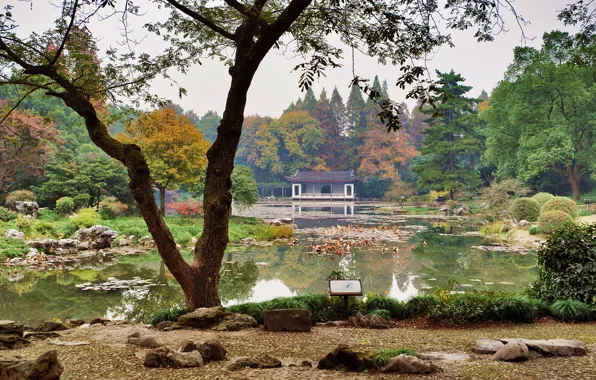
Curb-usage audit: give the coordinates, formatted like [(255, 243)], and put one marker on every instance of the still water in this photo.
[(437, 254)]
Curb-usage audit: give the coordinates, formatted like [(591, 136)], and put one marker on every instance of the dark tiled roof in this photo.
[(334, 176)]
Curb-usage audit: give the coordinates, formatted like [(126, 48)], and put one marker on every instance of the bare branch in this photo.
[(208, 23), (66, 34)]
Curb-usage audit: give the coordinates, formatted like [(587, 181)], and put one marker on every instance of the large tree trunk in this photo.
[(574, 181), (573, 173)]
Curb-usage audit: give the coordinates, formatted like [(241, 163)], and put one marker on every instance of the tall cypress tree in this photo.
[(357, 123), (446, 162), (310, 101), (338, 110)]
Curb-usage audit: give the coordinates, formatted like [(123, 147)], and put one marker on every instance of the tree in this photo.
[(450, 142), (174, 149), (25, 146), (301, 137), (244, 187), (381, 154), (395, 31), (541, 116), (310, 101)]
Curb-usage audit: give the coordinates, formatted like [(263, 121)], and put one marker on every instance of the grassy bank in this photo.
[(183, 230)]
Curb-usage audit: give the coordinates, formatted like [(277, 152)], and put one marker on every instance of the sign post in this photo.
[(345, 288)]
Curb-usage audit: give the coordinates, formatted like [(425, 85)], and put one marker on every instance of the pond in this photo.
[(139, 285)]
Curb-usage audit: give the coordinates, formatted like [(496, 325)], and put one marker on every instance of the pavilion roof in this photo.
[(323, 177)]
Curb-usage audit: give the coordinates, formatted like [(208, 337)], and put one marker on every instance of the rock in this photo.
[(69, 343), (463, 210), (212, 350), (27, 208), (286, 220), (343, 358), (11, 328), (32, 254), (12, 342), (40, 335), (370, 321), (14, 234), (164, 357), (202, 318), (45, 367), (408, 364), (123, 242), (275, 222), (236, 322), (445, 356), (287, 320), (524, 223), (513, 351), (16, 261), (164, 325), (48, 326), (99, 320), (554, 347), (188, 346), (48, 246), (99, 237), (261, 361), (487, 346), (75, 322), (445, 210), (147, 341)]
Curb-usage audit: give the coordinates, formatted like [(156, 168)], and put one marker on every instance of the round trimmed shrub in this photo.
[(533, 230), (550, 221), (19, 196), (85, 218), (65, 205), (524, 208), (542, 198), (563, 204)]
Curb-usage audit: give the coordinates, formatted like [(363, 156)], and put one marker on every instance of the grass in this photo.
[(572, 311), (10, 248), (381, 357)]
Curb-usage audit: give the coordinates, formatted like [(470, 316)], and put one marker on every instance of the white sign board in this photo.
[(345, 288)]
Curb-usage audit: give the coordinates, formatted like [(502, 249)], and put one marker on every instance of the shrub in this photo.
[(420, 305), (381, 357), (499, 193), (375, 302), (65, 206), (10, 248), (253, 309), (23, 224), (385, 314), (542, 198), (18, 196), (550, 221), (48, 215), (563, 204), (524, 208), (433, 195), (135, 231), (187, 209), (110, 208), (85, 218), (534, 230), (45, 228), (571, 311), (170, 315), (81, 201), (567, 265), (7, 215)]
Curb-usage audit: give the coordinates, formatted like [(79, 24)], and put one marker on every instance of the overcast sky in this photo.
[(275, 86)]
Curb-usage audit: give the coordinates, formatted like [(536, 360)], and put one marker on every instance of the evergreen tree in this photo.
[(338, 110), (310, 101), (450, 143), (323, 97), (376, 88), (357, 122), (385, 91)]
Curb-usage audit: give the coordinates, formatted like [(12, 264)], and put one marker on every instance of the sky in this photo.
[(275, 85)]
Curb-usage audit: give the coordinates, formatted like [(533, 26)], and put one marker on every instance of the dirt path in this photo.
[(108, 357), (587, 219)]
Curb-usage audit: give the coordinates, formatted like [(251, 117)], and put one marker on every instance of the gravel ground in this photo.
[(108, 357)]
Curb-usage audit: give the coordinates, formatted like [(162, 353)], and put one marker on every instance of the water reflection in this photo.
[(259, 273)]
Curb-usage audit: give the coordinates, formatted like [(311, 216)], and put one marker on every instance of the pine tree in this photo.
[(323, 97), (310, 101), (377, 89), (338, 110), (385, 91), (450, 143)]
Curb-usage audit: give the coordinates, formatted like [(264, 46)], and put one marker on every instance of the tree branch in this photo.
[(19, 102), (66, 34), (208, 23), (252, 13)]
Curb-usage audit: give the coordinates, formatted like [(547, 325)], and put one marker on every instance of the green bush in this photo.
[(7, 215), (381, 357), (550, 221), (170, 315), (571, 311), (110, 208), (253, 309), (81, 201), (563, 204), (524, 208), (48, 215), (10, 248), (567, 265), (534, 230), (420, 305), (23, 224), (542, 198), (45, 228), (18, 196), (375, 302), (85, 218), (65, 206), (136, 231), (385, 314)]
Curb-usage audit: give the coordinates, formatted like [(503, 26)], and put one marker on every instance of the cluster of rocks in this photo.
[(27, 209), (281, 221), (517, 349), (459, 210), (370, 321), (11, 336), (45, 366), (215, 318)]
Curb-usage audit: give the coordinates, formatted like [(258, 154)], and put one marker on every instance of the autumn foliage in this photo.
[(187, 209)]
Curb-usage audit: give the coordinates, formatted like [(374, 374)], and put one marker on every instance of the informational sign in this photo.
[(345, 288)]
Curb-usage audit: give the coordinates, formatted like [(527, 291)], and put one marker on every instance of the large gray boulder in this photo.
[(14, 234), (296, 320), (487, 346), (236, 322), (513, 351), (554, 347), (99, 237), (408, 364), (203, 318), (212, 351), (48, 246), (45, 367), (27, 208)]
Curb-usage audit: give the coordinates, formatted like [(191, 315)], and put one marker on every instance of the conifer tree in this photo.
[(310, 101)]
